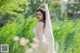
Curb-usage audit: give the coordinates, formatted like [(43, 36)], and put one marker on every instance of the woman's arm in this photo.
[(48, 20)]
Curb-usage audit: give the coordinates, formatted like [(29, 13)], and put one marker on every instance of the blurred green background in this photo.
[(18, 18)]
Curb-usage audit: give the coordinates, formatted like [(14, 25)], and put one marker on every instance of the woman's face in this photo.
[(39, 16)]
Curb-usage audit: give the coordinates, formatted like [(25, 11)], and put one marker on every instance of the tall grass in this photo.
[(20, 27), (66, 33)]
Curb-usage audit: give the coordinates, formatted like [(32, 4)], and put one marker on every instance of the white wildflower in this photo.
[(23, 41), (16, 38)]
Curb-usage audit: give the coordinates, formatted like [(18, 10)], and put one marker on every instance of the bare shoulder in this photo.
[(40, 24)]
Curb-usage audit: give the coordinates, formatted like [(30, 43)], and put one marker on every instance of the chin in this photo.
[(39, 20)]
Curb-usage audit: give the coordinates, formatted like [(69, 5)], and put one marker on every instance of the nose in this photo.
[(37, 16)]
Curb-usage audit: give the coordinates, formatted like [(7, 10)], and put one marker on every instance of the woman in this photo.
[(43, 30)]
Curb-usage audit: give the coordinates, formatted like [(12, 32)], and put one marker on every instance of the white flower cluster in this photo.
[(24, 42)]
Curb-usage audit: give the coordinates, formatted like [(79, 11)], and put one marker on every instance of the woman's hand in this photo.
[(42, 5)]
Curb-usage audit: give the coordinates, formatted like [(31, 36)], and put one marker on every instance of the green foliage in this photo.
[(20, 27), (67, 34), (12, 6)]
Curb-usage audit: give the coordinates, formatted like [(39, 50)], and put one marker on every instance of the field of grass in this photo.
[(66, 33)]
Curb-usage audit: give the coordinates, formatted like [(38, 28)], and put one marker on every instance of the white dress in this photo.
[(42, 38), (46, 41), (46, 38)]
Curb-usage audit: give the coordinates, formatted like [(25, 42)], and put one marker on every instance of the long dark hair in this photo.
[(44, 15)]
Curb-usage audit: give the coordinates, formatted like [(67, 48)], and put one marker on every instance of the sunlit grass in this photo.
[(66, 33)]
